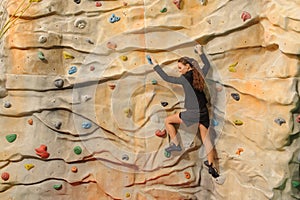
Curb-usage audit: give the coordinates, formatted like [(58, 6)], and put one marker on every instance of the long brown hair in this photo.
[(198, 80)]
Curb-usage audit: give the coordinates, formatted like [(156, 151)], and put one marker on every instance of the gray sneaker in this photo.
[(173, 147)]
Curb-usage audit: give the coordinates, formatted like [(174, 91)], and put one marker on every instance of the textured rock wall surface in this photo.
[(80, 85)]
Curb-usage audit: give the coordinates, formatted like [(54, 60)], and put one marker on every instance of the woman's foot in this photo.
[(211, 170), (173, 147)]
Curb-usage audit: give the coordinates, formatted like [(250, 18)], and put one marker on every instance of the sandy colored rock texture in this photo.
[(110, 107)]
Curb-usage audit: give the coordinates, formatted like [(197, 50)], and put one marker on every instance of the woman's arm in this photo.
[(166, 77), (199, 51)]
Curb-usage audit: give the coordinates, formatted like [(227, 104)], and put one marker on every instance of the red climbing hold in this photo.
[(5, 176), (42, 151), (160, 133), (98, 4), (245, 15), (177, 3)]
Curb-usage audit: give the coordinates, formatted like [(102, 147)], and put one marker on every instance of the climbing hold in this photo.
[(125, 157), (29, 166), (72, 70), (30, 121), (238, 122), (77, 150), (160, 133), (111, 45), (11, 138), (111, 86), (125, 3), (98, 4), (57, 186), (235, 96), (67, 55), (203, 2), (124, 58), (232, 68), (164, 10), (80, 23), (239, 151), (214, 122), (59, 83), (42, 39), (149, 60), (127, 195), (35, 0), (86, 125), (279, 121), (167, 154), (86, 97), (57, 125), (92, 68), (154, 82), (177, 3), (42, 151), (127, 111), (114, 18), (187, 175), (90, 41), (41, 56), (245, 15), (164, 103), (5, 176), (295, 184), (74, 169), (77, 1), (7, 104)]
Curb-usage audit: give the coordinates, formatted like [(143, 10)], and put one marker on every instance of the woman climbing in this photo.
[(192, 80)]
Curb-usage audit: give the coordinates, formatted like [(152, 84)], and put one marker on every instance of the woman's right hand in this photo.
[(198, 49)]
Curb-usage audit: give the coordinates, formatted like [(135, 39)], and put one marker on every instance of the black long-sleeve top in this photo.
[(194, 99)]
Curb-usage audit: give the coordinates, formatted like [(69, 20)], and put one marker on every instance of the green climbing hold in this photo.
[(41, 56), (57, 186), (11, 138), (164, 10), (167, 154), (77, 150), (295, 184)]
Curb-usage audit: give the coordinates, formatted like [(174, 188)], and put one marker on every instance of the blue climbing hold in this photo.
[(114, 18), (154, 82), (73, 70), (279, 121), (214, 122), (149, 60), (86, 125)]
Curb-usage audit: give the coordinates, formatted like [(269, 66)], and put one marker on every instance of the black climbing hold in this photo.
[(59, 83), (235, 96), (164, 104), (57, 125), (77, 1), (7, 104)]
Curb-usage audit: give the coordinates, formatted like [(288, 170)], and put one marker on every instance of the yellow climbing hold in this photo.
[(35, 1), (124, 58), (67, 55), (238, 122), (232, 67), (29, 166), (127, 195)]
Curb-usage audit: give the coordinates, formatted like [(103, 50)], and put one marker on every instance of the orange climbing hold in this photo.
[(187, 175), (30, 121), (74, 169), (239, 151)]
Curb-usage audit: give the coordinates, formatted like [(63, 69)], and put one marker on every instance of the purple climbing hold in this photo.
[(235, 96), (164, 103)]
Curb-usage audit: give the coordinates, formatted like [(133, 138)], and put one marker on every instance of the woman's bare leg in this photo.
[(169, 123), (207, 143)]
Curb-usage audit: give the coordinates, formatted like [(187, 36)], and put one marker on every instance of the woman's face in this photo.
[(183, 68)]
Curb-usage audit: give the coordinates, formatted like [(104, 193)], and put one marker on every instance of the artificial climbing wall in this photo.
[(81, 103)]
